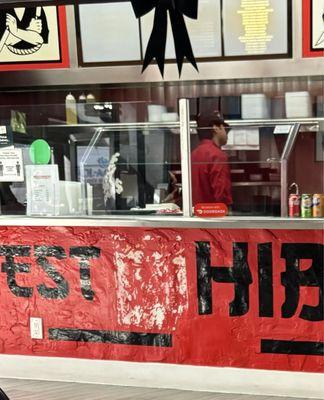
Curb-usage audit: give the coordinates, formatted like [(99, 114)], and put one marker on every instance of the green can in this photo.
[(306, 206)]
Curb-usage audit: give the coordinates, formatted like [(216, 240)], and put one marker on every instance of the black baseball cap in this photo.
[(209, 120)]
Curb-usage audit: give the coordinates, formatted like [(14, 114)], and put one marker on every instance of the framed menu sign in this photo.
[(313, 28), (108, 33), (205, 33), (257, 28), (224, 30), (33, 38)]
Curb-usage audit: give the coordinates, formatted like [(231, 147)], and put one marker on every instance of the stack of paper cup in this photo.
[(155, 112)]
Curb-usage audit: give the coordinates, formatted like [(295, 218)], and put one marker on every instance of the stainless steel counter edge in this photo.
[(168, 222)]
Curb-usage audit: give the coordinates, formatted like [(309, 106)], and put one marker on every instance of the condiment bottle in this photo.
[(71, 110), (90, 98)]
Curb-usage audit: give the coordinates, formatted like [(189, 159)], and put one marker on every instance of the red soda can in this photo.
[(294, 205)]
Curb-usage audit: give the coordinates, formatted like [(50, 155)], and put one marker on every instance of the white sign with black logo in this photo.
[(11, 165), (317, 24), (29, 35)]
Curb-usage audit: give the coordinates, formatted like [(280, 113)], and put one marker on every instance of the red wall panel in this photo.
[(141, 294)]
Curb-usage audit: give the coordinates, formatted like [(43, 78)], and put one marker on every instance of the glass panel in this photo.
[(131, 169), (238, 164), (306, 164), (109, 159), (144, 130)]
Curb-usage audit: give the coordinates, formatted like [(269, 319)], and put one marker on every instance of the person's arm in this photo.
[(12, 40), (45, 30), (31, 35), (6, 195)]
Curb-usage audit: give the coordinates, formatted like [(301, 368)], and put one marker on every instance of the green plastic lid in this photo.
[(40, 152)]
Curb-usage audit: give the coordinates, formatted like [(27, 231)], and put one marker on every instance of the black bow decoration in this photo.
[(157, 42), (3, 395)]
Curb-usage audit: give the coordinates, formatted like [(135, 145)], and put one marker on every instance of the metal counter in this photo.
[(169, 222)]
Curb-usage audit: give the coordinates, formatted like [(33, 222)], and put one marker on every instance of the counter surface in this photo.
[(169, 222)]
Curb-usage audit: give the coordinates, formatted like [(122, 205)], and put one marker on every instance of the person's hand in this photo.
[(35, 25), (11, 24)]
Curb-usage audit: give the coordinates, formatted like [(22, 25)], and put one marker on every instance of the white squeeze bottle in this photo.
[(71, 110), (82, 98)]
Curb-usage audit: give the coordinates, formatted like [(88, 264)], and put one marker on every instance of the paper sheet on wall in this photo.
[(5, 136), (43, 196), (243, 139)]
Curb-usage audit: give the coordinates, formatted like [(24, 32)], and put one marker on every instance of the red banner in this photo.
[(214, 297)]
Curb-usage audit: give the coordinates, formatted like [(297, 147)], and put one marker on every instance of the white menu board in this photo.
[(205, 33), (255, 27), (109, 33)]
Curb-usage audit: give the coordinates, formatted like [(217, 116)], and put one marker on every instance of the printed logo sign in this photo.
[(33, 37), (210, 210)]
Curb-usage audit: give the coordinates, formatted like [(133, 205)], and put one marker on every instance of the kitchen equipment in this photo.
[(230, 107), (170, 117), (155, 112), (278, 107), (319, 106), (298, 105), (255, 106)]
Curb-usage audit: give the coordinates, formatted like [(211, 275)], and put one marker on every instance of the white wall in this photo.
[(297, 66)]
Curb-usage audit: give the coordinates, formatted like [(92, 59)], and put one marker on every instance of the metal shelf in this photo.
[(256, 183), (118, 126), (308, 122), (304, 122)]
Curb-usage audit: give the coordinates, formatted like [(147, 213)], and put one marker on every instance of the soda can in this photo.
[(306, 206), (317, 205), (294, 205)]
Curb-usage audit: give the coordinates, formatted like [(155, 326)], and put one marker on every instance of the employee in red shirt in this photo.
[(211, 181)]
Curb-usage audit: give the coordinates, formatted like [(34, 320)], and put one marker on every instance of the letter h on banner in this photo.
[(240, 275)]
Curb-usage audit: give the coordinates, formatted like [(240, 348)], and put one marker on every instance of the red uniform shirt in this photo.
[(211, 180)]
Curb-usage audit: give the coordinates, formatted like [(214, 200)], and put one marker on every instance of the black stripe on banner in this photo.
[(292, 347), (114, 337)]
